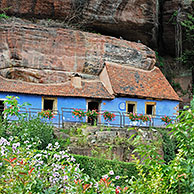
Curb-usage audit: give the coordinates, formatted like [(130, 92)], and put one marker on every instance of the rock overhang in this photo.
[(39, 51)]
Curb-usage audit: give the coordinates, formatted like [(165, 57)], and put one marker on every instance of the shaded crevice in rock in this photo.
[(41, 76), (160, 41)]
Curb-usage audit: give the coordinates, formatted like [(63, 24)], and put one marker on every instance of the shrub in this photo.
[(95, 167), (168, 145), (25, 170), (13, 107), (175, 177), (30, 131), (31, 171)]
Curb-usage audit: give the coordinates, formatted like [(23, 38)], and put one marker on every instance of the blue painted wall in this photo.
[(34, 100), (163, 107), (36, 105)]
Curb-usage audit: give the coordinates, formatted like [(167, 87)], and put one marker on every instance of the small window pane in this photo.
[(150, 109), (48, 104), (130, 108)]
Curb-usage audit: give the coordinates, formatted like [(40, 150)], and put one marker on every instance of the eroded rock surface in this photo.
[(173, 12), (133, 20), (45, 55), (150, 22)]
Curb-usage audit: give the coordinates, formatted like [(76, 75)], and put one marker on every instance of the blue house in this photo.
[(118, 88)]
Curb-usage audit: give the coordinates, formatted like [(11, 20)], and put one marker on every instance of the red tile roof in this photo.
[(141, 83), (92, 89), (125, 81)]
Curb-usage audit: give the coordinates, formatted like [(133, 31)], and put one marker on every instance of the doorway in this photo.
[(93, 105)]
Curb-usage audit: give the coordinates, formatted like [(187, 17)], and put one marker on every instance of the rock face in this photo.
[(151, 21), (173, 12), (45, 55), (133, 20)]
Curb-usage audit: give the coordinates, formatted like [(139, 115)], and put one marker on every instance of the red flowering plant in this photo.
[(12, 107), (47, 114), (92, 114), (144, 118), (166, 119), (108, 116), (78, 113), (133, 116), (140, 117)]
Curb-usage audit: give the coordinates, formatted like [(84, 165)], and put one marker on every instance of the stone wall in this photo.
[(105, 142)]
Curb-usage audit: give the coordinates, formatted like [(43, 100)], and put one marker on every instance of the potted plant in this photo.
[(108, 116), (133, 116), (166, 119), (92, 116), (144, 118), (78, 113), (47, 114)]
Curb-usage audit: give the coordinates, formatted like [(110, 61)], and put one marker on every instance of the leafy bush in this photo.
[(175, 177), (168, 145), (95, 167), (13, 107), (31, 171), (32, 130), (26, 170)]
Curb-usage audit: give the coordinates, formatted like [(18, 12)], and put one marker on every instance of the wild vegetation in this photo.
[(27, 165)]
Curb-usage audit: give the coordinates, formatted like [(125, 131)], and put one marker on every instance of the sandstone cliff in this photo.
[(155, 23), (42, 54), (150, 22)]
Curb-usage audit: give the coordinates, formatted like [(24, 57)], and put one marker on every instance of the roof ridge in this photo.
[(130, 67)]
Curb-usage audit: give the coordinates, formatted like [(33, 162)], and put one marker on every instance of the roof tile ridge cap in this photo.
[(133, 68), (86, 80), (31, 83)]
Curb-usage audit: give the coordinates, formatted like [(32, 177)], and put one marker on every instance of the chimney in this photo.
[(76, 80)]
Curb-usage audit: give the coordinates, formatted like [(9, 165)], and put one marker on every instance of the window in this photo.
[(131, 107), (49, 103), (150, 108)]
